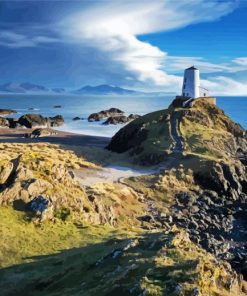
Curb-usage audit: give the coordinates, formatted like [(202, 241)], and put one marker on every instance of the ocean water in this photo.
[(83, 106)]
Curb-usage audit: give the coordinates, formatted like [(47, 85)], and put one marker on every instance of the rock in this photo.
[(33, 120), (37, 186), (76, 118), (41, 132), (133, 116), (57, 120), (116, 119), (6, 168), (127, 138), (104, 114), (13, 122), (7, 111), (57, 106), (38, 121), (4, 122), (38, 204), (120, 119), (41, 207)]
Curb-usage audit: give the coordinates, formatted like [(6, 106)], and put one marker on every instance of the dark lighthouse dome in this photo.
[(192, 68)]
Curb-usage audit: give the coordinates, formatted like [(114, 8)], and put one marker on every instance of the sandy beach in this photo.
[(17, 135)]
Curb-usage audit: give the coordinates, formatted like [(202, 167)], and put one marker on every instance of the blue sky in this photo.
[(135, 44)]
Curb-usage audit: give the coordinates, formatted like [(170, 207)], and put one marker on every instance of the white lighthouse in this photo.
[(191, 84)]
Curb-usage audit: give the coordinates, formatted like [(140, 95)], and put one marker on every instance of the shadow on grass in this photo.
[(108, 268)]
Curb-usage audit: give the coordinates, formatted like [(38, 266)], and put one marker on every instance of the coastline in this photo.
[(16, 135)]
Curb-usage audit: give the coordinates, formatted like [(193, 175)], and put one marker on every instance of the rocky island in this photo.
[(179, 228)]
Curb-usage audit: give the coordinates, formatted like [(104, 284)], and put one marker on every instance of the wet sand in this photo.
[(17, 135)]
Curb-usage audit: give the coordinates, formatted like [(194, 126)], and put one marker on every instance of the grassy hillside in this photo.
[(204, 130), (147, 139)]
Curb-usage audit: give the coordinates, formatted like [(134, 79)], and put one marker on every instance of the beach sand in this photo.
[(17, 135)]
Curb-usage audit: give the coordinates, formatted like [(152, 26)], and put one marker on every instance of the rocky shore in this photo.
[(178, 230)]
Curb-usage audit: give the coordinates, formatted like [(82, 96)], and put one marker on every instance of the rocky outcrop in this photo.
[(38, 121), (4, 122), (41, 132), (39, 180), (120, 119), (128, 138), (7, 111), (104, 114)]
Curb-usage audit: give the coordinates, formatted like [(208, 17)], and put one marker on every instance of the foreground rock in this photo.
[(104, 114), (39, 178)]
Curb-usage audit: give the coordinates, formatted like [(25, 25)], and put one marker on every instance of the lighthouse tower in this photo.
[(191, 84)]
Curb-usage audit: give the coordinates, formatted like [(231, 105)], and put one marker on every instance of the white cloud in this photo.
[(241, 61), (113, 28), (14, 39), (225, 86), (108, 33)]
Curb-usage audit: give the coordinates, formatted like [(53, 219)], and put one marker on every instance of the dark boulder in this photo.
[(104, 114), (120, 119), (76, 118), (33, 120), (116, 119), (7, 111), (38, 205), (57, 120), (4, 122), (38, 121), (127, 138), (41, 132)]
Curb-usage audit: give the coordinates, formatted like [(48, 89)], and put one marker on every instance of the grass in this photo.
[(73, 271), (21, 240), (159, 264)]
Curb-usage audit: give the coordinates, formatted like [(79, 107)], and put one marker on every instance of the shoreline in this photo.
[(17, 135)]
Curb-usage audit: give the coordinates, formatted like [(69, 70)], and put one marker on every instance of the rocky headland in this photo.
[(178, 230)]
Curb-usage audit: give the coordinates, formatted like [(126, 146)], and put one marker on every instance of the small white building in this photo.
[(191, 83)]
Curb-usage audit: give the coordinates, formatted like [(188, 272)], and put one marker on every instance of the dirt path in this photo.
[(175, 133)]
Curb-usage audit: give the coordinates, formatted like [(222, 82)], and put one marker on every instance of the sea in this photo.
[(83, 106)]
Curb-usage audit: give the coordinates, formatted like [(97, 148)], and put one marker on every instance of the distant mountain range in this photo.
[(23, 87), (103, 89)]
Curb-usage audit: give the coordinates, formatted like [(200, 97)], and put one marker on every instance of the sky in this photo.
[(137, 44)]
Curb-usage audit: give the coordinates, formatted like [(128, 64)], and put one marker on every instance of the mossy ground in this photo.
[(22, 240)]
